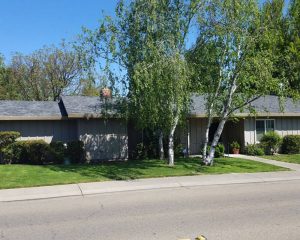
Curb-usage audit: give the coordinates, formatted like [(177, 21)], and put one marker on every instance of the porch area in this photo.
[(194, 135)]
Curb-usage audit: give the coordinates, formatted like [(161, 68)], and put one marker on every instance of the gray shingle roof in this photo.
[(29, 109), (83, 106), (268, 105)]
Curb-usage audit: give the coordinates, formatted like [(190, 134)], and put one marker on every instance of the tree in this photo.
[(147, 41), (233, 56), (8, 89), (47, 73), (292, 51)]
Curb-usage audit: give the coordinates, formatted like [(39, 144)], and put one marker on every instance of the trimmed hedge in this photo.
[(58, 150), (291, 144), (271, 141), (75, 152), (7, 138), (28, 152), (254, 150), (38, 152)]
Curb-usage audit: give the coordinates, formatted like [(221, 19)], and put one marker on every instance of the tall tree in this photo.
[(8, 88), (147, 41), (47, 73), (235, 61), (292, 53)]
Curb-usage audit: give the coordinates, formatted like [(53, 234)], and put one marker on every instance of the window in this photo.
[(263, 126)]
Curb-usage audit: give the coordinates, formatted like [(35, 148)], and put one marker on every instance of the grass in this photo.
[(290, 158), (14, 176)]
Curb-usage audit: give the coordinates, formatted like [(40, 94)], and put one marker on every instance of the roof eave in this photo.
[(269, 114), (31, 118)]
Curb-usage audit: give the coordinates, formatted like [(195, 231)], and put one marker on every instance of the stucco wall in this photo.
[(60, 130), (104, 140), (283, 126)]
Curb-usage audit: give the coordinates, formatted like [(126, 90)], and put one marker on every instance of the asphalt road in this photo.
[(234, 212)]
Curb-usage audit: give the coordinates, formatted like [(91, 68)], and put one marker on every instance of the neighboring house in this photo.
[(247, 128), (108, 138), (72, 118)]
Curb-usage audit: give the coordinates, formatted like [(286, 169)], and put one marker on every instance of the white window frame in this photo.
[(265, 120)]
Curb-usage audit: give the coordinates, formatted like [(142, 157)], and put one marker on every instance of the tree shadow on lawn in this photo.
[(131, 169)]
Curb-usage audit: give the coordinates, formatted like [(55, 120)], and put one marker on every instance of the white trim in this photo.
[(263, 119), (188, 137)]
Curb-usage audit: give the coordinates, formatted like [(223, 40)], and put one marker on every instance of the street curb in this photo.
[(94, 188)]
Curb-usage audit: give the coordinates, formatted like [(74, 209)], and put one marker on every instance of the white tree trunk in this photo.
[(210, 158), (211, 110), (225, 114), (171, 142), (161, 145), (206, 139)]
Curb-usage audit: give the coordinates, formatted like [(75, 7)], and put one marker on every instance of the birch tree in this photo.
[(235, 61), (147, 41)]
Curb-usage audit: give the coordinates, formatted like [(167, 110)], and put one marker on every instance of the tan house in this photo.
[(108, 138), (72, 118), (247, 128)]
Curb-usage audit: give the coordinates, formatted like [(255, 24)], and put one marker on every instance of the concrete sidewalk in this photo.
[(84, 189), (292, 166)]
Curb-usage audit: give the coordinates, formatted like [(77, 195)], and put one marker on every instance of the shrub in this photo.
[(27, 152), (39, 152), (291, 144), (58, 151), (75, 151), (254, 150), (271, 141), (15, 153), (140, 151), (7, 138), (219, 151), (178, 150)]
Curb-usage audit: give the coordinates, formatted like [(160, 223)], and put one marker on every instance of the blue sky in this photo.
[(27, 25)]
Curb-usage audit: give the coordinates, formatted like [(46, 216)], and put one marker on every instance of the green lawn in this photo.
[(14, 176), (291, 158)]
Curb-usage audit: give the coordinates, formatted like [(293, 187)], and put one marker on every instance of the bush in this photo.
[(219, 151), (75, 151), (140, 151), (58, 150), (7, 138), (14, 153), (39, 152), (271, 141), (178, 150), (291, 144), (28, 152), (254, 150)]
